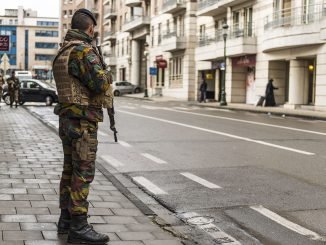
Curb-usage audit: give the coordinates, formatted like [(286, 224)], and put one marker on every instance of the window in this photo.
[(46, 33), (176, 71), (159, 33), (47, 23), (44, 57), (46, 45), (122, 47), (33, 85)]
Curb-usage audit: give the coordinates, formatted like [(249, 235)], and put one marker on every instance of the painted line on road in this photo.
[(200, 181), (222, 133), (123, 143), (128, 107), (181, 108), (249, 122), (205, 223), (287, 223), (149, 185), (148, 107), (112, 161), (154, 158)]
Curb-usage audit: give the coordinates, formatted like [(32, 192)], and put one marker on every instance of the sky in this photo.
[(44, 8)]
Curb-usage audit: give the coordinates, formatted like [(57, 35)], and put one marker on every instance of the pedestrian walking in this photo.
[(203, 91), (13, 89), (269, 94), (84, 89), (2, 83)]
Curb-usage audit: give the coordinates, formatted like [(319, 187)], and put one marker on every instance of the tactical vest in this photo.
[(71, 90)]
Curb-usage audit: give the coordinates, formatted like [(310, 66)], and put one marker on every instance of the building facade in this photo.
[(182, 42), (33, 40)]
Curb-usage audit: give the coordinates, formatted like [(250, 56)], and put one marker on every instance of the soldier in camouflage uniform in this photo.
[(84, 89), (13, 89), (2, 82)]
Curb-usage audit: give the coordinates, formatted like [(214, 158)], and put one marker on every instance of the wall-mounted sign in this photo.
[(244, 61), (4, 43), (153, 71)]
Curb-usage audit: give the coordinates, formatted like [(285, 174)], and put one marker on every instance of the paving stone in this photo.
[(143, 227), (96, 220), (41, 191), (37, 181), (51, 197), (126, 243), (25, 185), (22, 176), (6, 197), (33, 211), (18, 218), (162, 242), (38, 226), (9, 227), (110, 228), (13, 191), (22, 197), (126, 212), (44, 204), (99, 211), (135, 236), (127, 205), (42, 242), (7, 210), (49, 185), (94, 198), (4, 204), (11, 181), (115, 199), (22, 235), (11, 242), (47, 218), (105, 204), (54, 210), (120, 220), (161, 235)]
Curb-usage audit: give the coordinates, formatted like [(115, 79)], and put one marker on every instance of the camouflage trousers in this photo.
[(79, 140)]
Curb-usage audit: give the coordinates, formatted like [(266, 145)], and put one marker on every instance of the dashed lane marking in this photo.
[(112, 161), (288, 224), (154, 159), (181, 108), (128, 107), (150, 107), (150, 186), (201, 181), (123, 143), (102, 133), (222, 133)]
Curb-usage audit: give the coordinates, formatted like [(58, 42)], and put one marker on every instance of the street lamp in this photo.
[(223, 67), (146, 53)]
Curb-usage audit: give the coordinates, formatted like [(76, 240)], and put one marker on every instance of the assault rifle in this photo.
[(110, 111)]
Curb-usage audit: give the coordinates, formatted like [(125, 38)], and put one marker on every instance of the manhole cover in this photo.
[(200, 220)]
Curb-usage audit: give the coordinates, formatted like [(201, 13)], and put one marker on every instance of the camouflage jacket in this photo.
[(85, 65), (13, 84)]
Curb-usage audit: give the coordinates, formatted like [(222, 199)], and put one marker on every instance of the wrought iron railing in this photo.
[(168, 3), (236, 31), (137, 18), (170, 34), (295, 16)]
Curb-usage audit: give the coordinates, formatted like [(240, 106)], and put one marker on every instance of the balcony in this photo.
[(106, 2), (294, 27), (240, 41), (173, 6), (111, 60), (171, 42), (133, 3), (215, 7), (109, 36), (109, 13), (136, 22)]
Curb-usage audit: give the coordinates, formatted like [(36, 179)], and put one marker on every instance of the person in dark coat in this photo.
[(269, 94), (203, 91)]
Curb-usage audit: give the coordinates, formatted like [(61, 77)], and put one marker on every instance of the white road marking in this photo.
[(250, 122), (220, 237), (128, 107), (201, 181), (222, 133), (154, 159), (149, 185), (181, 108), (288, 224), (123, 143), (102, 133), (150, 107), (112, 161)]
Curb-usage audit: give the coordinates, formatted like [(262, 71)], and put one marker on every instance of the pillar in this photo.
[(135, 62)]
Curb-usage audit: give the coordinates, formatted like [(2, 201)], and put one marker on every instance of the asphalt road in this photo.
[(237, 177)]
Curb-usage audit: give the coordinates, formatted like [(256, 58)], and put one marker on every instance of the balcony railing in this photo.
[(234, 32), (171, 6), (109, 35), (295, 16), (206, 3), (109, 12), (135, 22)]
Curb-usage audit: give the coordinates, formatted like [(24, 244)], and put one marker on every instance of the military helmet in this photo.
[(87, 13)]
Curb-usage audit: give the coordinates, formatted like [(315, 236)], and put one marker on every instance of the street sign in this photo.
[(153, 71), (4, 43), (222, 66)]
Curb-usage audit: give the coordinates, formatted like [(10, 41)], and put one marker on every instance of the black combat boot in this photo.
[(82, 233), (64, 222)]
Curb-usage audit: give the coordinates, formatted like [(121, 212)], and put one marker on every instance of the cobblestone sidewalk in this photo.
[(30, 169)]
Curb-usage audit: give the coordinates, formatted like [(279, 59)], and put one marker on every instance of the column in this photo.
[(135, 62), (297, 83)]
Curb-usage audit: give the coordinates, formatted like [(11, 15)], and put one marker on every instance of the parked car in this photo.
[(32, 90), (124, 87)]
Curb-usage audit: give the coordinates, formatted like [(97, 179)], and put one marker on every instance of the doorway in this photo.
[(311, 81)]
